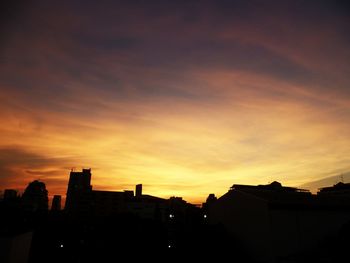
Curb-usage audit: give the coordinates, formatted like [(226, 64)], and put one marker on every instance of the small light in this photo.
[(169, 246), (205, 216), (61, 246), (171, 216)]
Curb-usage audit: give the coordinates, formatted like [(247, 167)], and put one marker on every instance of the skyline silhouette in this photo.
[(260, 223), (313, 187)]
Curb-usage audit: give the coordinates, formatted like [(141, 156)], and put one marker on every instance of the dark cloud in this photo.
[(108, 43), (13, 156), (96, 40), (237, 56), (20, 165)]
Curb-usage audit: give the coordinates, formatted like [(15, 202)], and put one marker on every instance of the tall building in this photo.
[(82, 201), (79, 189), (79, 181)]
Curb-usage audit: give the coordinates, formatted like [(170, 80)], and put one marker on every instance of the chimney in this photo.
[(138, 190)]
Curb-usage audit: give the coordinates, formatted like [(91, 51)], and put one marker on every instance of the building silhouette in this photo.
[(83, 201), (138, 191), (79, 187), (10, 194), (275, 223), (56, 203), (339, 189), (211, 200), (255, 223)]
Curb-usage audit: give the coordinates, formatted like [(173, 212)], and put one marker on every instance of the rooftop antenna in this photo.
[(342, 178)]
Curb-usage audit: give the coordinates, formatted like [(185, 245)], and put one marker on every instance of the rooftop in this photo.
[(274, 186), (339, 187), (274, 192)]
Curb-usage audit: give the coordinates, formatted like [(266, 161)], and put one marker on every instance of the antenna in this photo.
[(342, 178)]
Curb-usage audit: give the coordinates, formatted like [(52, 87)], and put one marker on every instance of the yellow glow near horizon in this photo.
[(184, 148)]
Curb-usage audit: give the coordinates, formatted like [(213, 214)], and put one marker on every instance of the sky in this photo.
[(185, 97)]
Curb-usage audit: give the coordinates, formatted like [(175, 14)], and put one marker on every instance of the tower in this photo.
[(138, 190), (78, 186)]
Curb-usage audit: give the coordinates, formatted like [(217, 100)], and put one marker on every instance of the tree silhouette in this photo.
[(35, 197)]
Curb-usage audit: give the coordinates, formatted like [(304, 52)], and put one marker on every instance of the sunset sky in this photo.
[(185, 97)]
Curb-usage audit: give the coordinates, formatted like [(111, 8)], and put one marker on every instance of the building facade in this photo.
[(276, 223)]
